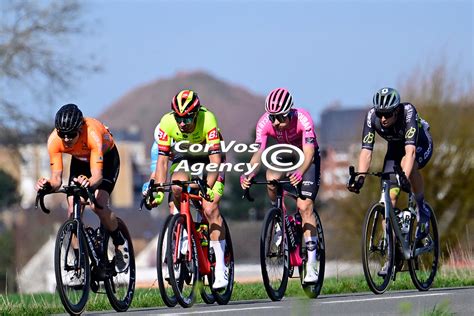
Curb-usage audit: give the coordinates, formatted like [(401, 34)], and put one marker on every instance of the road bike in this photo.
[(389, 239), (282, 247), (84, 257), (184, 259)]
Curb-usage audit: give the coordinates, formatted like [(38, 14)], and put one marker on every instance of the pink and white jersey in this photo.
[(299, 132)]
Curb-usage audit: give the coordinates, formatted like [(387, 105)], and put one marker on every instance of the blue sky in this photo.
[(323, 51)]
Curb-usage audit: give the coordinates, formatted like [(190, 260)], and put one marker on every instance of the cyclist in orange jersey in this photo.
[(95, 164)]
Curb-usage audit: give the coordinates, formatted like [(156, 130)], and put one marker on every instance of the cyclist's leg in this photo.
[(107, 217), (393, 157), (424, 151), (309, 189), (217, 240)]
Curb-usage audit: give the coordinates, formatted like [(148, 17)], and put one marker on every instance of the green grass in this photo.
[(41, 304)]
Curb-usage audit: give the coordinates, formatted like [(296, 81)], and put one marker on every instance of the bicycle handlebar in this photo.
[(71, 189), (274, 182), (397, 170), (152, 187)]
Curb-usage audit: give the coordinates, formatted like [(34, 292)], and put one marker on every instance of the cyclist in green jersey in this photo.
[(187, 124)]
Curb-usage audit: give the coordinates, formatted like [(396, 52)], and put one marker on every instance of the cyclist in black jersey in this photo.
[(409, 145)]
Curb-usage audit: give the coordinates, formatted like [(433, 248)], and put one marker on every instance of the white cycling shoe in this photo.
[(221, 280), (312, 273)]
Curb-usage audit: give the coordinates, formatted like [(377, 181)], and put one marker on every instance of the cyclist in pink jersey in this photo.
[(288, 125)]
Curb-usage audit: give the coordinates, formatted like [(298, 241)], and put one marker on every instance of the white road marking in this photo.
[(224, 310), (385, 298)]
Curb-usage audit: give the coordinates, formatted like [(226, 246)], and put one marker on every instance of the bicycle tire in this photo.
[(166, 291), (223, 297), (275, 289), (373, 231), (184, 275), (64, 278), (424, 259), (206, 291), (120, 287), (313, 290)]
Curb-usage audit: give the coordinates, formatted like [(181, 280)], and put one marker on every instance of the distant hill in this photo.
[(237, 109)]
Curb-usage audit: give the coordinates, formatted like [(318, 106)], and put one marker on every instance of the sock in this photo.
[(423, 214), (219, 246), (311, 248)]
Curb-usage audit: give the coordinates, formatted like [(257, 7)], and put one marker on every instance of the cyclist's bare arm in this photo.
[(255, 160), (365, 158), (161, 169), (308, 151), (212, 176), (409, 159), (96, 178)]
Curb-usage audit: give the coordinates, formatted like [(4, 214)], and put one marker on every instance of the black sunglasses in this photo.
[(68, 135), (188, 119), (279, 117), (387, 115)]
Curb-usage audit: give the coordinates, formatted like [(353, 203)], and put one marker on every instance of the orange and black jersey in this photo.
[(94, 141)]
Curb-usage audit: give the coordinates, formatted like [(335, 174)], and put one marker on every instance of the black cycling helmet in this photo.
[(386, 100), (68, 119)]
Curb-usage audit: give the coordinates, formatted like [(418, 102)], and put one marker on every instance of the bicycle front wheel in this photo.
[(274, 259), (312, 290), (162, 269), (120, 286), (183, 273), (377, 249), (71, 267), (424, 264)]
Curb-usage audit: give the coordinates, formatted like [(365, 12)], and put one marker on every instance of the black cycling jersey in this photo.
[(409, 129)]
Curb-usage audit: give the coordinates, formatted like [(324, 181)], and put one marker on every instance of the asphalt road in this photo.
[(459, 301)]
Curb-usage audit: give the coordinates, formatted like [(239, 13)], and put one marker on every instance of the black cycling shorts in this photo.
[(309, 186), (109, 173)]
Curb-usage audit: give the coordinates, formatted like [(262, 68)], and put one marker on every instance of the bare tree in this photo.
[(34, 57)]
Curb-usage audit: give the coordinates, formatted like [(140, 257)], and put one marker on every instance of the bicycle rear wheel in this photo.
[(166, 291), (223, 297), (274, 259), (312, 290), (184, 273), (377, 249), (424, 264), (71, 266)]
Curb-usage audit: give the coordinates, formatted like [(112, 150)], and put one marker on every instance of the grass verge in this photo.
[(42, 304)]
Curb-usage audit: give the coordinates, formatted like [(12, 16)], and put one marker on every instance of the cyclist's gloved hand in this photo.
[(404, 183), (295, 177), (209, 195), (245, 180), (356, 185), (158, 198)]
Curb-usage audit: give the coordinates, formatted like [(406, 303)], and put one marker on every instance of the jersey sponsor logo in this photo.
[(162, 135), (304, 121), (410, 133), (369, 138), (212, 134), (309, 140), (409, 109), (369, 118)]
